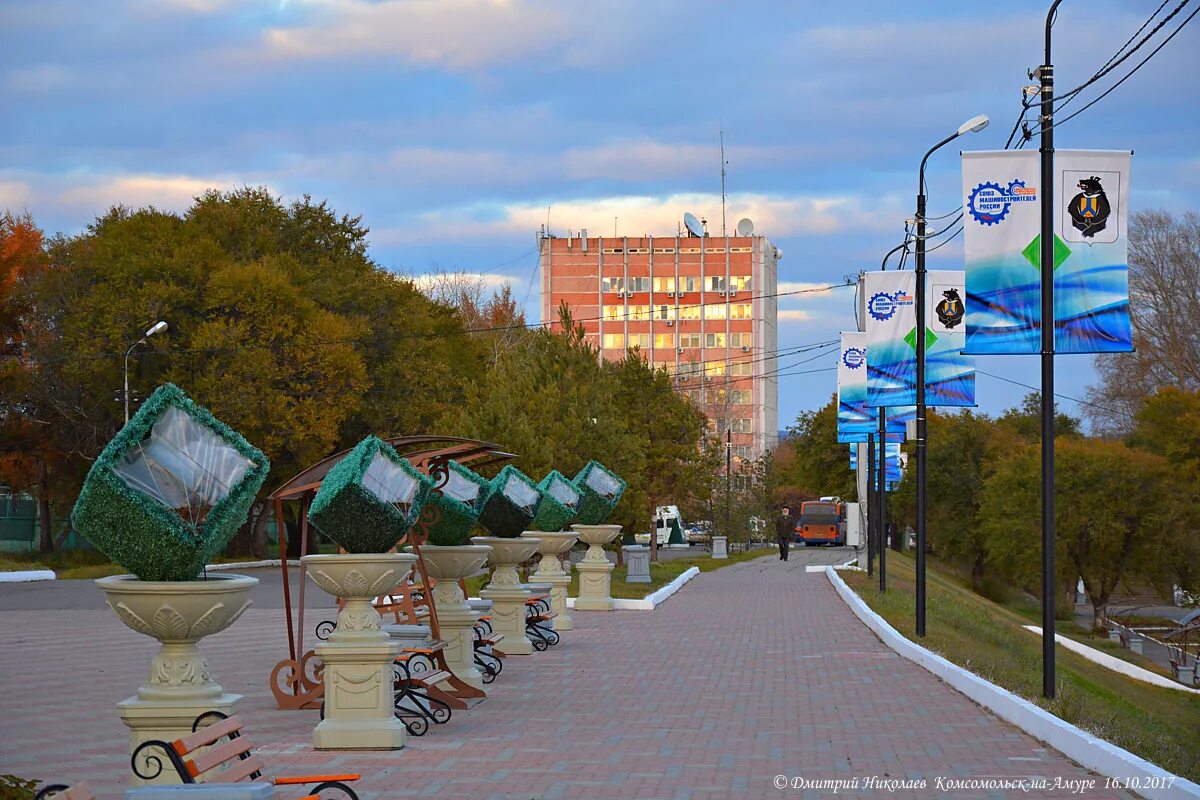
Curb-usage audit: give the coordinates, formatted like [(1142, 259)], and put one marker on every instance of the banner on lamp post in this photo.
[(1002, 239), (892, 340), (856, 420)]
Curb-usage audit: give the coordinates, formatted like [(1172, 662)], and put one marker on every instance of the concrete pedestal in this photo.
[(719, 549), (507, 594), (595, 570), (359, 678), (550, 571), (637, 563), (165, 721), (179, 687), (456, 619)]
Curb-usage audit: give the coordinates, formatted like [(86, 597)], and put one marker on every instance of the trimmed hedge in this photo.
[(553, 514), (595, 507), (137, 531), (457, 518), (500, 515), (354, 516)]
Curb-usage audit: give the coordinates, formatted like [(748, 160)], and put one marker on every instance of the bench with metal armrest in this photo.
[(196, 759), (538, 625)]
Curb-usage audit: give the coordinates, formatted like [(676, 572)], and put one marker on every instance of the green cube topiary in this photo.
[(511, 504), (458, 504), (601, 490), (170, 490), (559, 503), (370, 498)]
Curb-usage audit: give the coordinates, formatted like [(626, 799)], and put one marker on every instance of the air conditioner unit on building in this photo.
[(721, 292), (670, 323), (745, 348), (683, 378), (680, 350), (670, 294)]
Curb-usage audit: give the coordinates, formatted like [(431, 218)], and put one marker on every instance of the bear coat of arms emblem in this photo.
[(1089, 209), (950, 309)]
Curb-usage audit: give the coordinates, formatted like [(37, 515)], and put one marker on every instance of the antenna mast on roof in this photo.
[(723, 163)]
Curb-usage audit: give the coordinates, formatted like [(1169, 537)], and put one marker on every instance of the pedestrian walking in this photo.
[(785, 530)]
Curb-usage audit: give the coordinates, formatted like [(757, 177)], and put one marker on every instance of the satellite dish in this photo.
[(692, 224), (745, 227)]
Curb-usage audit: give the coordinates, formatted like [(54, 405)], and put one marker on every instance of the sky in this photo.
[(456, 128)]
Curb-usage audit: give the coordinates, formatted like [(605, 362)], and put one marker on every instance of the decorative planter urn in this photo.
[(595, 570), (180, 687), (719, 547), (359, 709), (550, 571), (456, 620), (507, 594)]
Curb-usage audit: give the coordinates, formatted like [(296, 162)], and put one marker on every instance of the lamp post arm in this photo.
[(125, 392), (931, 151)]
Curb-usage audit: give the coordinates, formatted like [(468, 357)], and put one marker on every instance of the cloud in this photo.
[(456, 34), (14, 195), (636, 215), (793, 315), (488, 281)]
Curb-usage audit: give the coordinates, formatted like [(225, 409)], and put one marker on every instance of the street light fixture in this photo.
[(158, 327), (974, 124)]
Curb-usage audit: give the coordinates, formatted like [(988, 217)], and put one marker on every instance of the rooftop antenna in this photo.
[(723, 164), (614, 226)]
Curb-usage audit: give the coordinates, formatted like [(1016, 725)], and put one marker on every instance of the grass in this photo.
[(1157, 724), (661, 574)]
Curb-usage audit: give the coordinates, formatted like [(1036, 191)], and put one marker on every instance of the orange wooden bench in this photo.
[(233, 755)]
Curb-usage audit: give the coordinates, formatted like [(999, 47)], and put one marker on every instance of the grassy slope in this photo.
[(1160, 725)]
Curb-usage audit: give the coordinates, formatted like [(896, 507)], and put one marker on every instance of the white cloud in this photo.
[(14, 195), (457, 34), (489, 281), (166, 192), (794, 315)]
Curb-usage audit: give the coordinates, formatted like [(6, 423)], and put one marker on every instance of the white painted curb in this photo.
[(270, 562), (1114, 663), (26, 575), (650, 601), (1077, 744)]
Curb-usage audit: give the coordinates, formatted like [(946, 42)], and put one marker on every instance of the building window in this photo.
[(715, 369), (740, 397), (612, 284), (666, 312), (689, 284), (663, 341), (714, 311), (716, 284), (639, 340), (739, 340), (689, 368), (690, 311), (742, 370), (614, 341), (743, 425), (613, 313), (689, 340), (664, 284), (714, 340), (740, 283), (740, 311), (637, 284), (639, 312)]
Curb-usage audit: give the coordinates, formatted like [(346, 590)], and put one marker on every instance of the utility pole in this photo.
[(881, 498), (1046, 79), (728, 477), (871, 521)]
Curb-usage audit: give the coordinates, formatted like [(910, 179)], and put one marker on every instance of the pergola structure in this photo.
[(296, 681)]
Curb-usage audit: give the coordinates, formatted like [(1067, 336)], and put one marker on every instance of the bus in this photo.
[(821, 522)]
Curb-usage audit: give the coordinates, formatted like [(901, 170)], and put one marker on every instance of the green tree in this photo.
[(818, 465), (964, 450), (1026, 421), (1118, 518)]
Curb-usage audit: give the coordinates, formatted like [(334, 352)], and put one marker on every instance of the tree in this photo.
[(964, 450), (1026, 421), (1164, 310), (818, 465), (1117, 521)]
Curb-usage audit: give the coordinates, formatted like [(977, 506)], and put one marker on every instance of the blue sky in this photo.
[(455, 126)]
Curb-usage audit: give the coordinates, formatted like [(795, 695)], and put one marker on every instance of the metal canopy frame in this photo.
[(427, 452)]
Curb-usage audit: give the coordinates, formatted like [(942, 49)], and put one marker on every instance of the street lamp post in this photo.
[(970, 126), (157, 328)]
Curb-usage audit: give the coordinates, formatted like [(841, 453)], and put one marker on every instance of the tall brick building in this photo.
[(703, 307)]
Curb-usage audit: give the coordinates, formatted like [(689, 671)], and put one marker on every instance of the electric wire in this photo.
[(1056, 394)]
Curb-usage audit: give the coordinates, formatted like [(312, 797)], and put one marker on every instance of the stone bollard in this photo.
[(1135, 644), (719, 548), (637, 563)]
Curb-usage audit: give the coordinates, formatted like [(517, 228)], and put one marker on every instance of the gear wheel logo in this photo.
[(989, 202), (881, 306), (854, 357)]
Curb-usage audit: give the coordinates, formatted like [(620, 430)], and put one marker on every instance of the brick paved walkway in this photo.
[(750, 672)]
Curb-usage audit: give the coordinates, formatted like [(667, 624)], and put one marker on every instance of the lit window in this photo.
[(614, 341), (740, 311), (664, 340), (664, 284), (639, 340), (689, 312), (716, 284), (714, 340), (612, 313), (714, 311)]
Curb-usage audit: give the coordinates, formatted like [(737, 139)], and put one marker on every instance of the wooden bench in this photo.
[(80, 791), (488, 657), (537, 628), (196, 758), (419, 699)]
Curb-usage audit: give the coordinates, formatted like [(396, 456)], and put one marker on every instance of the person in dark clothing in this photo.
[(785, 530)]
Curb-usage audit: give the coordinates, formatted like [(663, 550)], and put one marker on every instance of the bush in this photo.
[(600, 490), (511, 504), (205, 476), (370, 498), (458, 505), (558, 505)]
